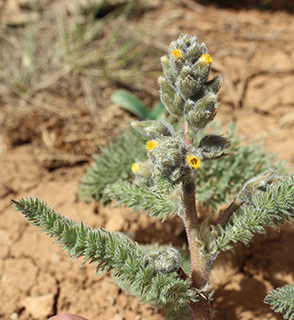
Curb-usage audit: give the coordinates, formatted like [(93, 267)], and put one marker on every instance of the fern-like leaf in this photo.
[(282, 301), (110, 251), (140, 198), (112, 165), (269, 208)]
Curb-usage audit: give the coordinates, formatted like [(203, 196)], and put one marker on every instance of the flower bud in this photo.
[(202, 111), (141, 168), (168, 71), (153, 129), (187, 84), (194, 50), (201, 68), (142, 172), (165, 261), (214, 84), (258, 183), (212, 147), (135, 167), (177, 59), (171, 99)]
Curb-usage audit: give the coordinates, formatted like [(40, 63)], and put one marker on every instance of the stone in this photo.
[(39, 306)]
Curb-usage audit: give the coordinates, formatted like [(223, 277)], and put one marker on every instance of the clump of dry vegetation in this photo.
[(55, 68)]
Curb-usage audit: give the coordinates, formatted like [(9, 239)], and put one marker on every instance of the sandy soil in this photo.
[(254, 53)]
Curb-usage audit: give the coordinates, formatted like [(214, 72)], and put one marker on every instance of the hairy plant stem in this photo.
[(187, 140), (199, 267)]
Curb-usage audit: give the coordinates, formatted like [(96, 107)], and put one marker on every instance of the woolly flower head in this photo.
[(169, 160)]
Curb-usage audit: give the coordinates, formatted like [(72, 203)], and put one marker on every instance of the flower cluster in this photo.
[(184, 89), (186, 93), (172, 159)]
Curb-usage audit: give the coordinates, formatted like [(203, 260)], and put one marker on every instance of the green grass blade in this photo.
[(130, 103), (156, 112)]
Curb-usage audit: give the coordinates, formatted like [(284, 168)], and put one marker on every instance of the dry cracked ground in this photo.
[(253, 51)]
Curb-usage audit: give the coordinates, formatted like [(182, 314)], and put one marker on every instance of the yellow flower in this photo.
[(193, 161), (152, 144), (177, 54), (205, 59), (135, 167)]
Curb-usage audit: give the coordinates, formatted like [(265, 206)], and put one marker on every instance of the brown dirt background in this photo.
[(254, 53)]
